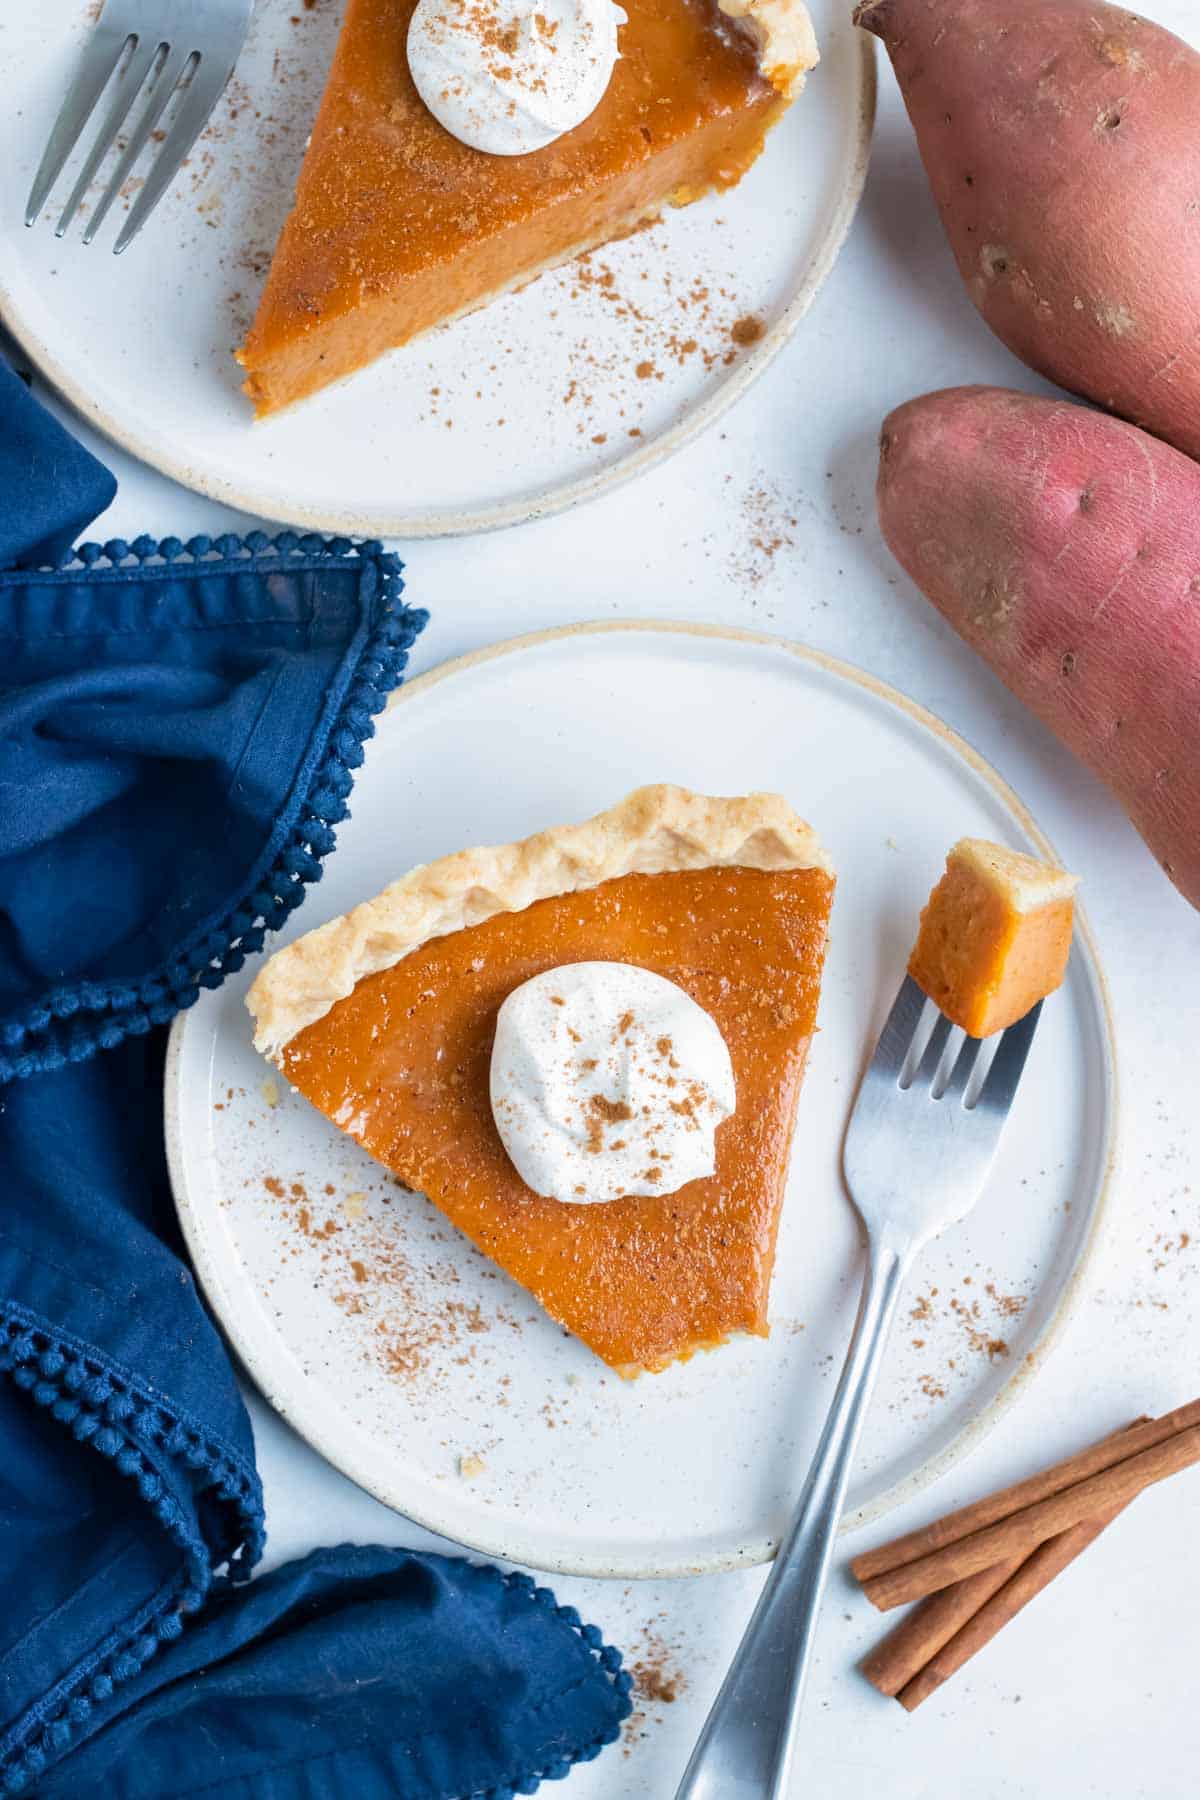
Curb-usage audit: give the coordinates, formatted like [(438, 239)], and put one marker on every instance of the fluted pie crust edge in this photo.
[(652, 831)]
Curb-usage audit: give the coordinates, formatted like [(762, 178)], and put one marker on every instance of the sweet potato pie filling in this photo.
[(397, 226), (402, 1064)]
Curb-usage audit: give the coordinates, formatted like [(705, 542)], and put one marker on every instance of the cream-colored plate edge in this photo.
[(972, 1434)]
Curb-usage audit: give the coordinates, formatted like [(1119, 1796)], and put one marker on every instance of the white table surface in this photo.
[(1092, 1691)]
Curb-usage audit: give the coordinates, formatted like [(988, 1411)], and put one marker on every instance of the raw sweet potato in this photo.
[(1064, 546), (1062, 142)]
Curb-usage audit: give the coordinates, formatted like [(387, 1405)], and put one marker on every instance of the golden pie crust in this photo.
[(651, 831)]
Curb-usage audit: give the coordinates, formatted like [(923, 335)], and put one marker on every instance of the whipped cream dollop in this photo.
[(508, 78), (608, 1080)]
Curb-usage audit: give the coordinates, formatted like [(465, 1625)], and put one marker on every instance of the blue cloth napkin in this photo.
[(53, 488), (179, 726)]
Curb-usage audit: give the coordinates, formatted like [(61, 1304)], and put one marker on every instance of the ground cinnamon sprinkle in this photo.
[(655, 1684), (1008, 1305), (415, 1322), (978, 1339), (1165, 1246), (747, 330), (658, 1681), (613, 1112), (768, 522), (670, 322)]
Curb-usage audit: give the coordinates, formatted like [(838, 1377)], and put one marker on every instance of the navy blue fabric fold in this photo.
[(53, 487), (361, 1672), (178, 734), (179, 730)]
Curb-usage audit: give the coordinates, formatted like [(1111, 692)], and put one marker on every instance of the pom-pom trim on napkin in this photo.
[(528, 1781), (610, 1660), (71, 1023), (102, 1406)]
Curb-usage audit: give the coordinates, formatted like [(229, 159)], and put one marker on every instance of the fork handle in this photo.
[(745, 1749)]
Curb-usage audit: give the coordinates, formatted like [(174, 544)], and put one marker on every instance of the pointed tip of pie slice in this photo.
[(702, 1346)]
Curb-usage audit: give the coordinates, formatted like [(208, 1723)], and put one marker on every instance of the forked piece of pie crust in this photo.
[(385, 1018), (995, 935)]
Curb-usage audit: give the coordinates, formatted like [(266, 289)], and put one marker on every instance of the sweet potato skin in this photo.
[(1064, 546), (1061, 141)]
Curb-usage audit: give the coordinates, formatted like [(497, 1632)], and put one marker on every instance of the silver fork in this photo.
[(189, 46), (922, 1137)]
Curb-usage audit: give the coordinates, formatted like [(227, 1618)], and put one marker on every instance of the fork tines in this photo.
[(930, 1052), (138, 68)]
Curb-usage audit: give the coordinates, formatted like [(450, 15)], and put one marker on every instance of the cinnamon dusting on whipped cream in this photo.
[(506, 80), (608, 1081)]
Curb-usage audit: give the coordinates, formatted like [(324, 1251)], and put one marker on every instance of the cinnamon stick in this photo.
[(1023, 1531), (1027, 1581), (1143, 1435), (917, 1639), (931, 1625)]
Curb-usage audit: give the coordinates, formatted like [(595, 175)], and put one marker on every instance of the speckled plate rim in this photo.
[(208, 1265), (555, 498)]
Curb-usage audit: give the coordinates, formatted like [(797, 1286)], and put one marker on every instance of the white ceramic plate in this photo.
[(398, 1351), (527, 407)]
